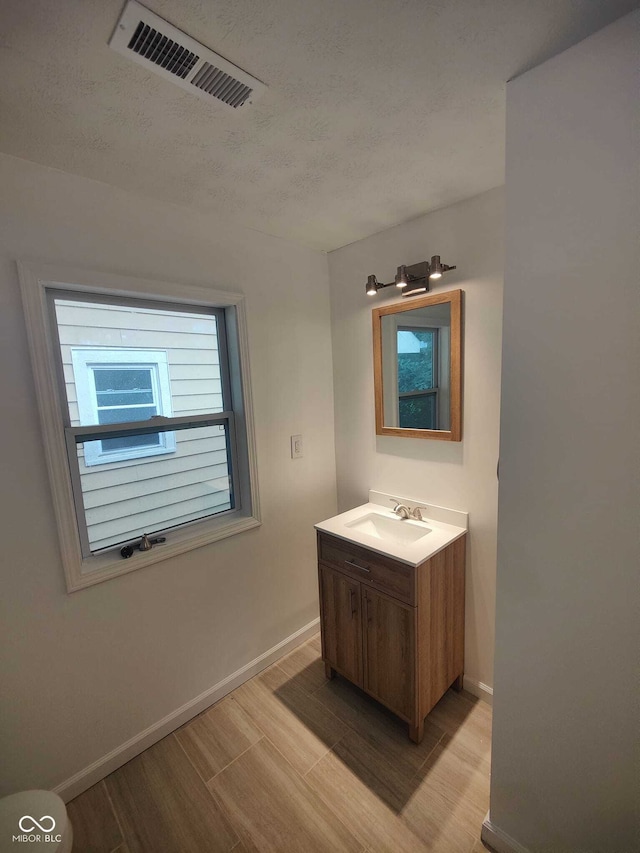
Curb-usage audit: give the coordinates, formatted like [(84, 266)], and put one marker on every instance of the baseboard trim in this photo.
[(92, 774), (499, 840), (482, 691)]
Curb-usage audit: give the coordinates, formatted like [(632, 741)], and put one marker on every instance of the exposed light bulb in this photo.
[(435, 267), (401, 277)]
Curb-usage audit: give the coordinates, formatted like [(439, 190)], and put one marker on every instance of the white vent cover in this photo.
[(152, 42)]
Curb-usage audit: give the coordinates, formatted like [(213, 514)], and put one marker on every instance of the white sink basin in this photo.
[(374, 526), (400, 531)]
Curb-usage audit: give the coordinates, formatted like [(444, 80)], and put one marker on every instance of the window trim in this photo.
[(37, 280), (85, 360)]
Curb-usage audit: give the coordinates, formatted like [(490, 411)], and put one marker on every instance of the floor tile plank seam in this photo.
[(451, 799), (312, 791), (325, 707), (349, 726), (289, 763), (322, 686), (473, 840), (365, 847), (247, 710), (114, 812), (428, 756), (218, 804), (240, 842), (205, 782), (328, 752)]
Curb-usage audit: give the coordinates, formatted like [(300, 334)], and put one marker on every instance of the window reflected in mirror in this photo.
[(417, 367)]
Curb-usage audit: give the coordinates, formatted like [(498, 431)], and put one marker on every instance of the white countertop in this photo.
[(444, 526)]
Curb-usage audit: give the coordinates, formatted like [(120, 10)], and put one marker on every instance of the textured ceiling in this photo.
[(377, 110)]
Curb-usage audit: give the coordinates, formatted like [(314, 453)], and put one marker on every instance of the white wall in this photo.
[(565, 744), (461, 476), (82, 673)]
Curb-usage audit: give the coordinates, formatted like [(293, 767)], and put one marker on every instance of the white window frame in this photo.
[(85, 362), (39, 283)]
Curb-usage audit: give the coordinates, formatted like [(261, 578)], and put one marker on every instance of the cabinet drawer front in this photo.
[(383, 573)]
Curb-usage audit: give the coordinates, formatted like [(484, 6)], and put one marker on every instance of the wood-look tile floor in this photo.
[(292, 763)]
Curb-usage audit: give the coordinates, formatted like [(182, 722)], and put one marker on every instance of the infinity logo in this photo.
[(34, 823)]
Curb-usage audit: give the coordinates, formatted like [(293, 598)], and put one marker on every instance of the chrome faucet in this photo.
[(400, 510), (416, 513)]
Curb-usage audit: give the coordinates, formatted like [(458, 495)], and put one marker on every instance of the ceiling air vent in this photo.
[(153, 43)]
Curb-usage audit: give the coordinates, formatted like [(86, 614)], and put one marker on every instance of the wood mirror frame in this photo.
[(454, 298)]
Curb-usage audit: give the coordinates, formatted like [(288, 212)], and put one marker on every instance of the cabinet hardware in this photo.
[(352, 593), (145, 544), (356, 566)]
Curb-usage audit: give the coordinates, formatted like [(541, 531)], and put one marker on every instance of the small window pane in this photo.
[(136, 413), (126, 442), (416, 352), (124, 398), (127, 379), (157, 492), (418, 412)]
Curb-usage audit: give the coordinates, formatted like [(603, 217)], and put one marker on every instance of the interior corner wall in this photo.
[(565, 739), (457, 475), (83, 673)]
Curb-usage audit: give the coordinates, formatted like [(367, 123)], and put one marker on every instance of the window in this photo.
[(418, 372), (146, 416), (122, 385)]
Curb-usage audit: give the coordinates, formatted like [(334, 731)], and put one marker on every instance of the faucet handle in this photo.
[(400, 509), (416, 512)]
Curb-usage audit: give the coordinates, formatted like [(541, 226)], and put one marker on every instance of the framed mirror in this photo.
[(417, 367)]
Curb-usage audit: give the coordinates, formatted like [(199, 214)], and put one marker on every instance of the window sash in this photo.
[(80, 434), (417, 395), (160, 422)]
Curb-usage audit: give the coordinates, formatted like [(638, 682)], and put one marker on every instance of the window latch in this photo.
[(145, 544)]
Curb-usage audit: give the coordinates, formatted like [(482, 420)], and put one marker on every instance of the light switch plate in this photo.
[(296, 447)]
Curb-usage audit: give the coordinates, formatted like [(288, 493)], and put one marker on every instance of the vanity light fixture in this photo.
[(413, 278)]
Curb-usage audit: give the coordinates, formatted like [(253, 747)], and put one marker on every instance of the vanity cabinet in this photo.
[(395, 630)]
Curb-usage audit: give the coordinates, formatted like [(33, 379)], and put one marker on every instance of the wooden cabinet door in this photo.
[(390, 652), (340, 613)]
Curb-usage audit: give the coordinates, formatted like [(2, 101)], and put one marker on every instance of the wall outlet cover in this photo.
[(296, 447)]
